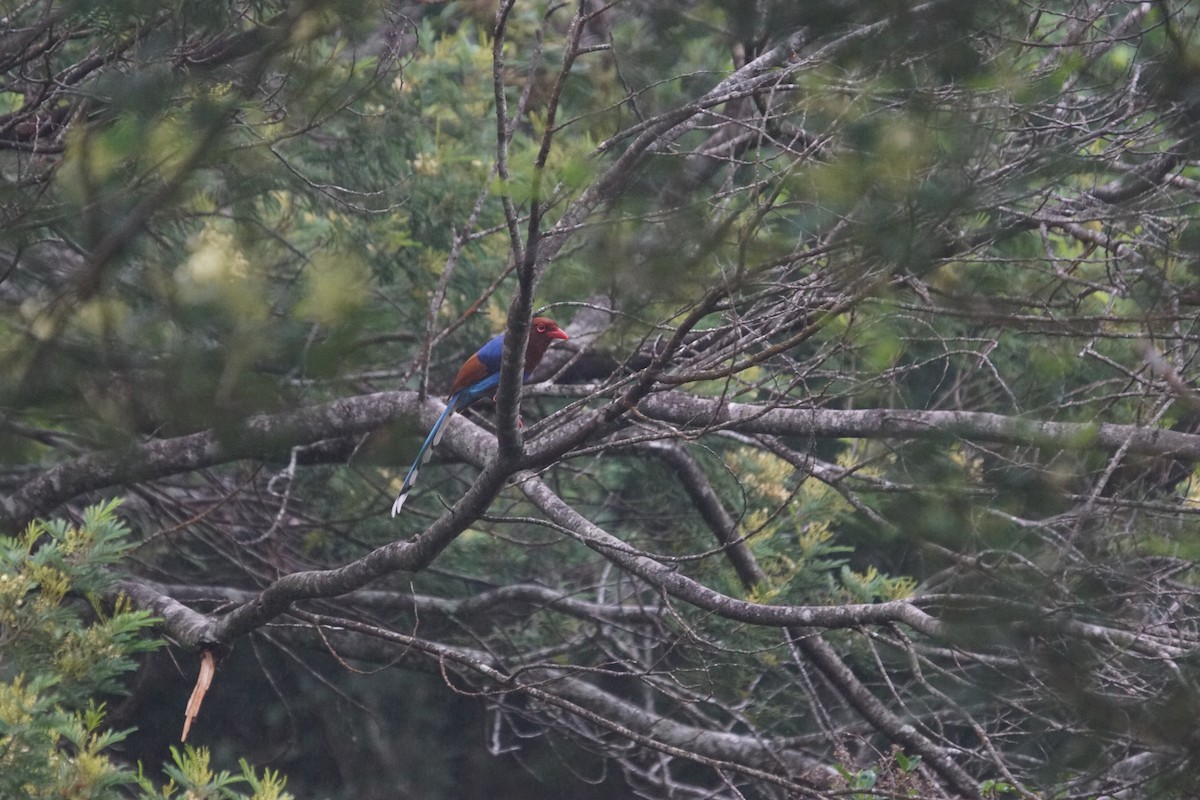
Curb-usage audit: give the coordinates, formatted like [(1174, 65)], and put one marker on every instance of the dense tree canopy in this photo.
[(868, 466)]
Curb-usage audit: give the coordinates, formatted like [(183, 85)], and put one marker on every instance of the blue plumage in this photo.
[(476, 379)]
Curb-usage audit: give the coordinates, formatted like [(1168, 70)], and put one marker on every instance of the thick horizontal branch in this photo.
[(688, 410), (272, 436), (266, 436), (524, 599)]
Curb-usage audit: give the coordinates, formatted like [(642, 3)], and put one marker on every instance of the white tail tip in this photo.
[(399, 504)]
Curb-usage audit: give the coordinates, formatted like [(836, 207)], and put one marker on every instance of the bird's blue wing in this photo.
[(490, 354)]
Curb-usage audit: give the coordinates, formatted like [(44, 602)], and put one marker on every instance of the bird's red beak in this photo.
[(557, 333)]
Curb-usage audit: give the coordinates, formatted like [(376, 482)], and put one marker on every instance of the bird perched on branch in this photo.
[(477, 378)]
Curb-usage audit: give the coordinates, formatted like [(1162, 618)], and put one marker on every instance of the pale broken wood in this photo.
[(208, 668)]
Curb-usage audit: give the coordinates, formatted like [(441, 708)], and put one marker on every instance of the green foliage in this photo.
[(191, 777), (63, 644), (50, 577), (860, 782), (894, 775), (994, 789), (794, 535)]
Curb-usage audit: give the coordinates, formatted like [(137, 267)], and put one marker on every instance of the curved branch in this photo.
[(412, 555), (666, 579)]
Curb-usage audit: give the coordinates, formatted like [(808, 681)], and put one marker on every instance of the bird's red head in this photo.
[(543, 332), (547, 329)]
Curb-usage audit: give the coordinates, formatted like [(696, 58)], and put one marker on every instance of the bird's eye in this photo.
[(541, 328)]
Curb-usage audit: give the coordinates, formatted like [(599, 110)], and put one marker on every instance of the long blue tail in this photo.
[(431, 441)]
